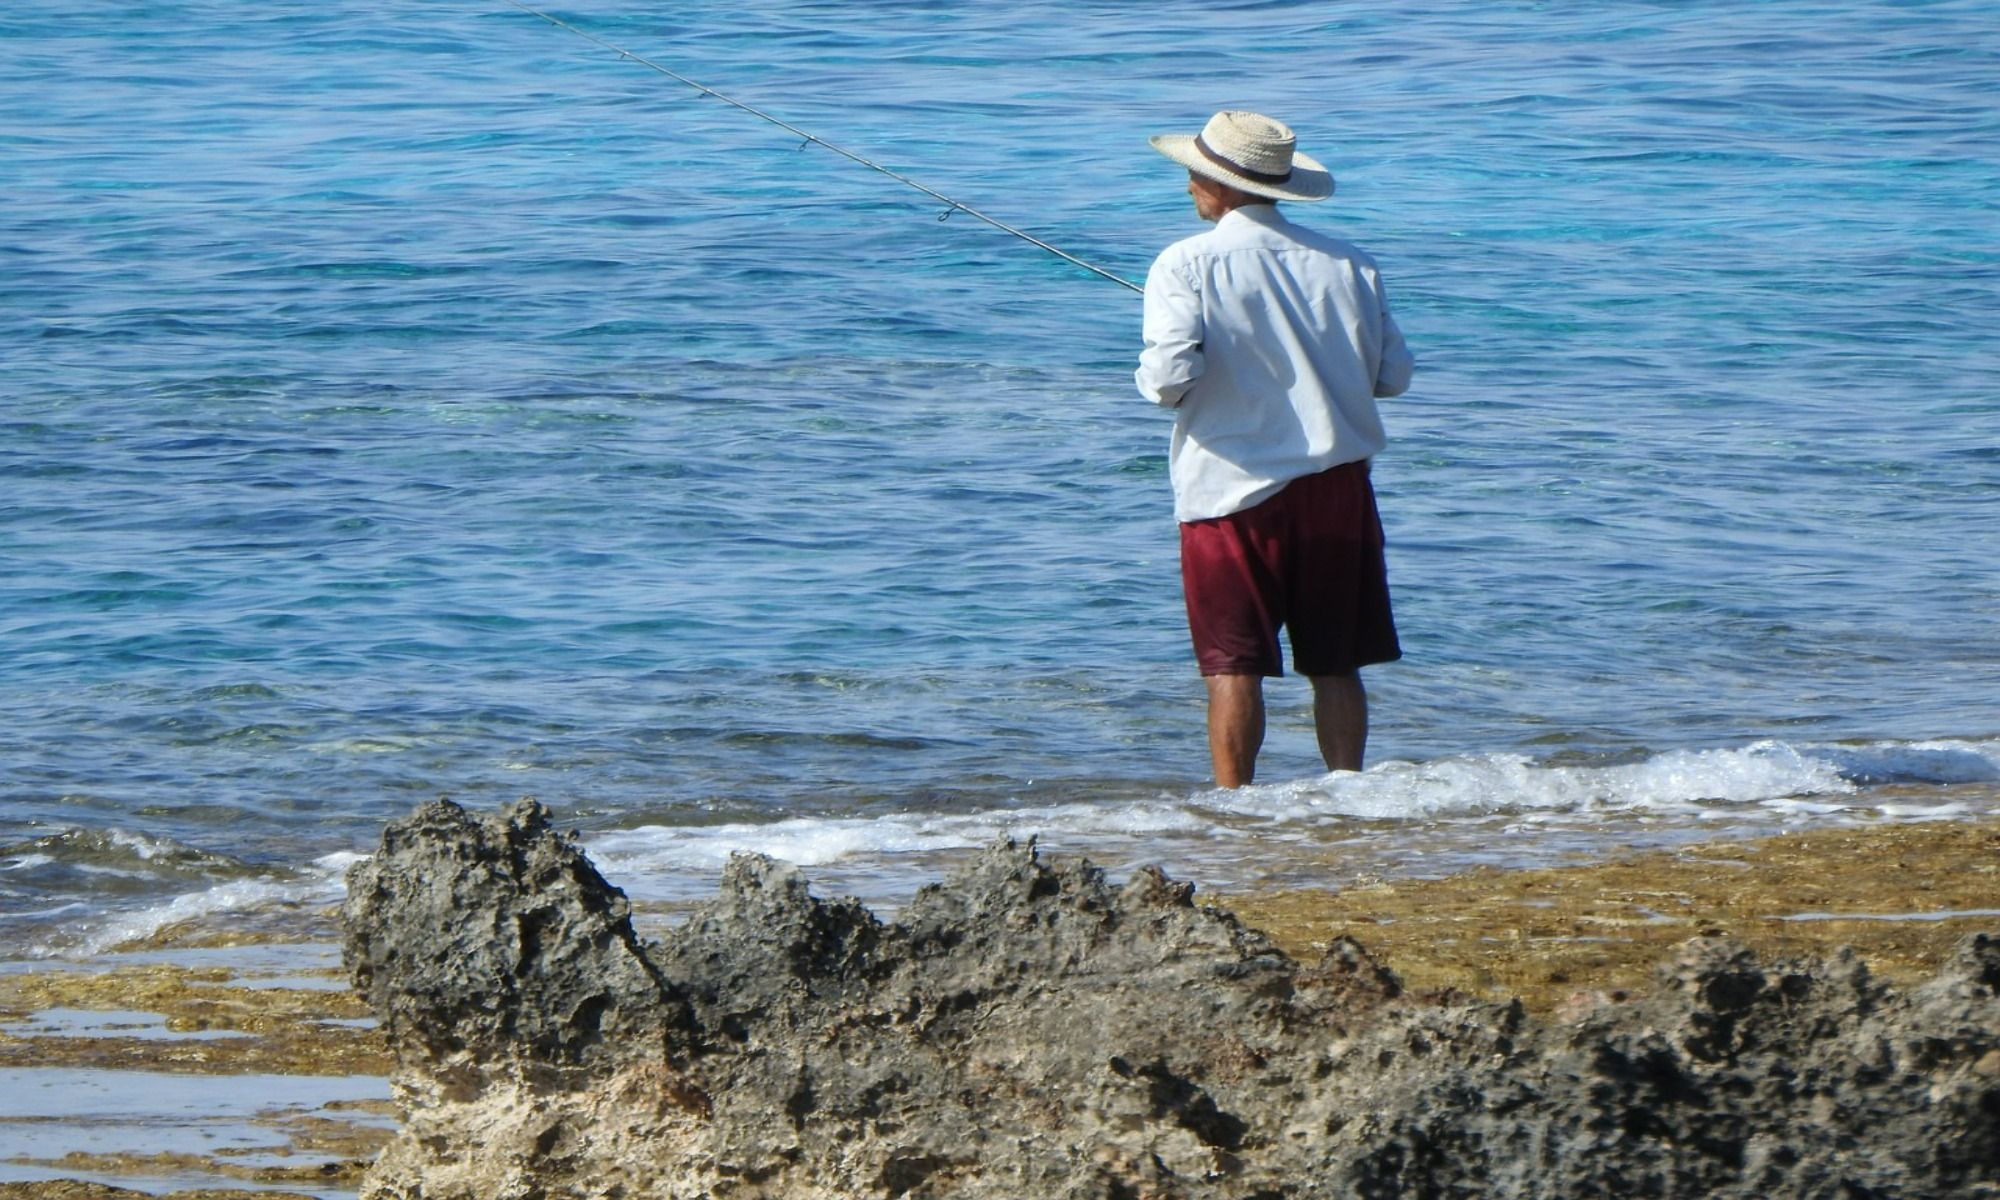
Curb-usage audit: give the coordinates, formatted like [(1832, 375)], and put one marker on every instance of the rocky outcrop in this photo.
[(1028, 1031)]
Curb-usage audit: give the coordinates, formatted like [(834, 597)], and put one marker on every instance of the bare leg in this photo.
[(1340, 718), (1235, 726)]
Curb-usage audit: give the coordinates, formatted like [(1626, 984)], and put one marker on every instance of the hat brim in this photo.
[(1309, 180)]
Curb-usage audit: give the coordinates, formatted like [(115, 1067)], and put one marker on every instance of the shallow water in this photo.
[(431, 402), (237, 1119)]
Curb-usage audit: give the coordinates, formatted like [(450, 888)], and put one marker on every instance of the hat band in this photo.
[(1239, 168)]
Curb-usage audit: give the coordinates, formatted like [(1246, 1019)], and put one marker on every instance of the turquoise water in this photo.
[(422, 400)]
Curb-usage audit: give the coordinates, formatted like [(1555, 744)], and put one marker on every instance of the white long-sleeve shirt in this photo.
[(1271, 342)]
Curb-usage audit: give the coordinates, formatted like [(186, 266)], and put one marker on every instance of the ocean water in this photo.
[(417, 400)]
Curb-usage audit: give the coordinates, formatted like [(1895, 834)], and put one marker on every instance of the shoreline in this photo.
[(1560, 938), (1900, 895)]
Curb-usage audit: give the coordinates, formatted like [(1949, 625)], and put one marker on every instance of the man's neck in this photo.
[(1243, 204)]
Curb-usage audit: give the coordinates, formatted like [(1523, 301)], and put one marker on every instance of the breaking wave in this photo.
[(1228, 836)]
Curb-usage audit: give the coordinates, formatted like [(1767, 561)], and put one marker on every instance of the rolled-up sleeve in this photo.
[(1172, 359), (1392, 377)]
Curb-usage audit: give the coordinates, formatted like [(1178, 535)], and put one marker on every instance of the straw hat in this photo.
[(1249, 151)]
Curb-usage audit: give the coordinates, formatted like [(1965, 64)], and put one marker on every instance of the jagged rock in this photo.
[(1027, 1031), (494, 946)]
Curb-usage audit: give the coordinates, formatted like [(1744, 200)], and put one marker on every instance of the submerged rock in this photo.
[(1028, 1031)]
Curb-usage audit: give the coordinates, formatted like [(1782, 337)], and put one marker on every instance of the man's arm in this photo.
[(1392, 377), (1172, 358)]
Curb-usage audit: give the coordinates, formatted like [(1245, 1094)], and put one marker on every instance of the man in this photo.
[(1271, 342)]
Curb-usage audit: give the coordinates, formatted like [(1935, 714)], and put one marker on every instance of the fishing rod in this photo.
[(815, 140)]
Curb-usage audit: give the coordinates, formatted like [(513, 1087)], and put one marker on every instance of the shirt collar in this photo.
[(1266, 215)]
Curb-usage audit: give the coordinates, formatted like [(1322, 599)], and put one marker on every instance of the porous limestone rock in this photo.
[(1029, 1031)]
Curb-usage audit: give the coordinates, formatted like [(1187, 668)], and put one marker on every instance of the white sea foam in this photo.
[(133, 872), (1767, 783), (809, 841), (42, 914), (322, 883), (336, 864), (136, 926), (1500, 783), (142, 847), (1785, 783), (1923, 812)]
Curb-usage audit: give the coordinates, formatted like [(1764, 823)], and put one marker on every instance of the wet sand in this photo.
[(202, 1069)]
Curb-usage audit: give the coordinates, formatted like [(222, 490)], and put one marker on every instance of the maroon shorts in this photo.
[(1308, 559)]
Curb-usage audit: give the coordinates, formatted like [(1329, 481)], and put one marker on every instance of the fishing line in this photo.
[(815, 140)]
